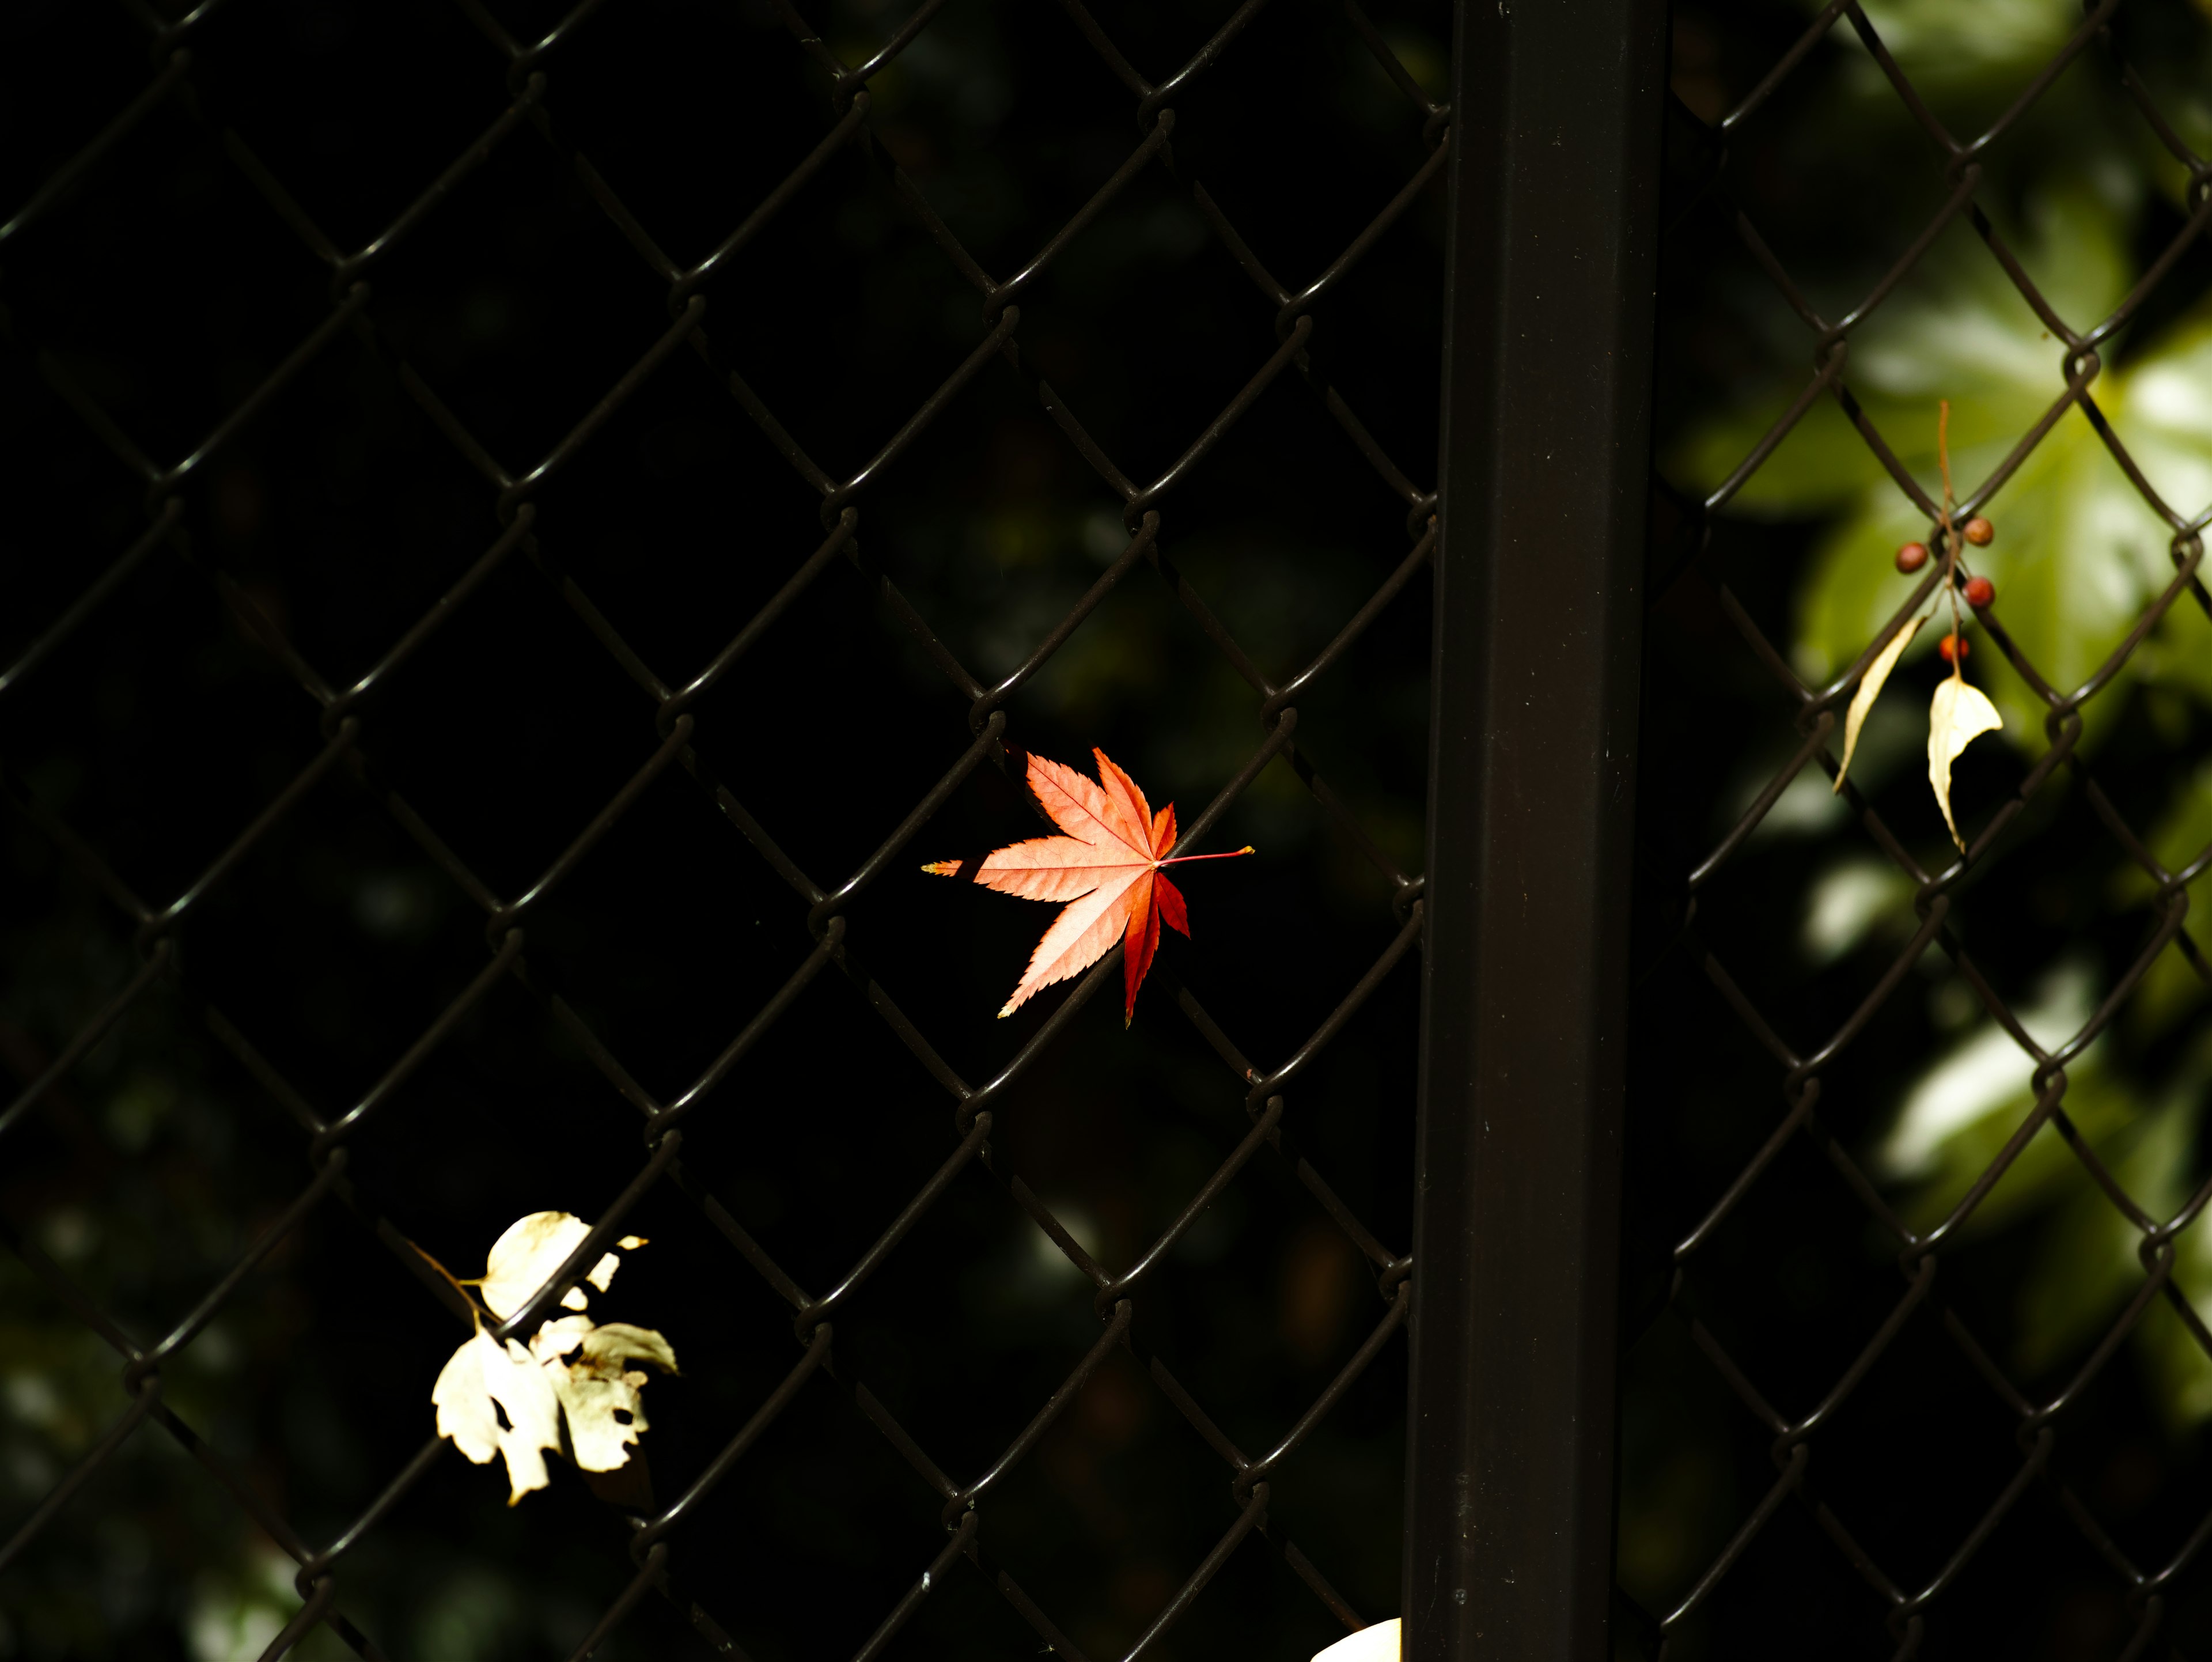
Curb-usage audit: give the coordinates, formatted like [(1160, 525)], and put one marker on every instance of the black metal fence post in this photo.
[(1556, 113)]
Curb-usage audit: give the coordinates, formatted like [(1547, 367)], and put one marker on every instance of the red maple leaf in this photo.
[(1107, 869)]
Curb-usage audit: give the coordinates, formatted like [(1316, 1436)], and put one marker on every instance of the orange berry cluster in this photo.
[(1981, 593)]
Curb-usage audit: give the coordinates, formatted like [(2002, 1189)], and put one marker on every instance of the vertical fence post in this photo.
[(1556, 123)]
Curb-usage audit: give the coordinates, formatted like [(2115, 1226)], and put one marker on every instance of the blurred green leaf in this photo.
[(1849, 901), (1961, 1111), (1948, 48), (1957, 1118), (2086, 1266), (2181, 1373), (2173, 986), (234, 1612), (2177, 1361)]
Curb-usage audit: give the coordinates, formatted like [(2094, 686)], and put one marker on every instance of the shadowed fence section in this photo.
[(648, 303)]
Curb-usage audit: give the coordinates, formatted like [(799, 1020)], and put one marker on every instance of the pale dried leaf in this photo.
[(1378, 1643), (496, 1397), (1960, 712), (1870, 685), (597, 1385), (531, 1250), (480, 1379)]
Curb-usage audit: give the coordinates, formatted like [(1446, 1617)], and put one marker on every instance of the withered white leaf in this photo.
[(508, 1399), (532, 1249), (590, 1367), (482, 1378), (1378, 1643), (1961, 713), (1870, 685)]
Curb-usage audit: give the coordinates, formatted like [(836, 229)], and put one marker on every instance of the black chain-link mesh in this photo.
[(1925, 1495), (154, 289)]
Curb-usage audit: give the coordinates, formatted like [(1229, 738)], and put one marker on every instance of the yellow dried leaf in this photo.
[(1959, 715), (1870, 685)]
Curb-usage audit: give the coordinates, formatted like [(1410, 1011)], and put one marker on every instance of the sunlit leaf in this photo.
[(1870, 685), (1959, 714), (498, 1399), (495, 1399), (592, 1372)]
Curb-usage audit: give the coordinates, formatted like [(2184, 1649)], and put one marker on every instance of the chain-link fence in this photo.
[(880, 394), (1989, 1058)]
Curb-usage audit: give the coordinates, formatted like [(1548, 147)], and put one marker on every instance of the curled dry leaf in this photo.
[(531, 1249), (512, 1400), (1870, 685), (590, 1368), (1961, 713)]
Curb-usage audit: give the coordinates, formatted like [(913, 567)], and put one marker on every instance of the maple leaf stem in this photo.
[(1185, 859)]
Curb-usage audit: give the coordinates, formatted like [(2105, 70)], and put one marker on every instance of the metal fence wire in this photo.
[(1903, 1483), (473, 371)]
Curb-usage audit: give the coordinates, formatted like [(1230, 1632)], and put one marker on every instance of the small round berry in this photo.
[(1953, 648), (1980, 532), (1912, 557), (1980, 593)]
